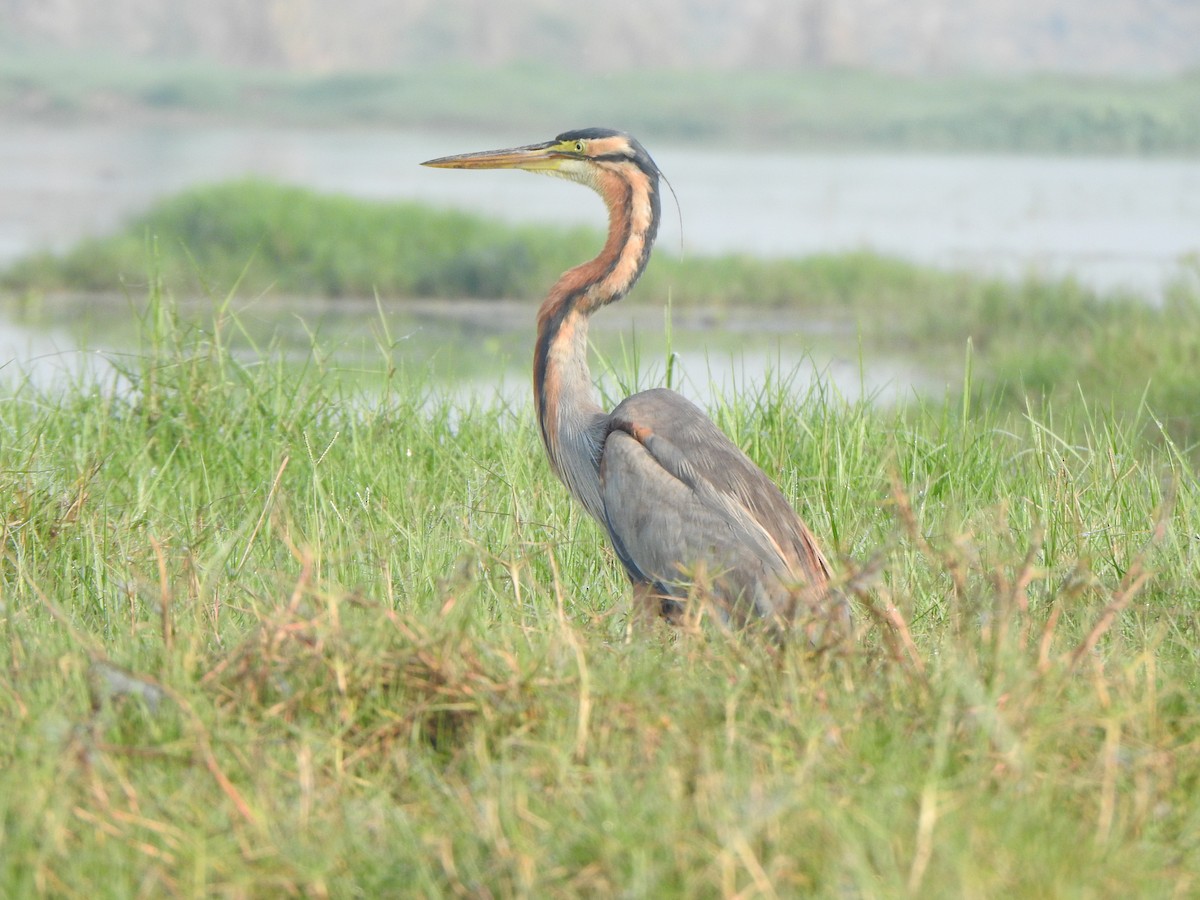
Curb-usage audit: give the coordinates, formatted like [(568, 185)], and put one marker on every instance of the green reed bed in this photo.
[(270, 628), (1033, 340)]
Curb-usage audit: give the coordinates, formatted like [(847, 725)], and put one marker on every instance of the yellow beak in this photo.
[(535, 157)]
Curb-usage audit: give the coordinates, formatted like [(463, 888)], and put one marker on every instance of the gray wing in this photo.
[(680, 497)]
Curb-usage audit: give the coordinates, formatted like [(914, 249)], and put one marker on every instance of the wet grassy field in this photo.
[(269, 630), (274, 624)]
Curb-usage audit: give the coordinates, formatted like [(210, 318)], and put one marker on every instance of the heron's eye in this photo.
[(579, 146)]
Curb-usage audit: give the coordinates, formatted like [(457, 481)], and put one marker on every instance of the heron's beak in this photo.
[(534, 158)]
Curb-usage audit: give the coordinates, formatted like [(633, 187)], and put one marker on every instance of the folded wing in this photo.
[(685, 505)]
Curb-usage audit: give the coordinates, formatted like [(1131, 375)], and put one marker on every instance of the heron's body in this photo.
[(686, 510)]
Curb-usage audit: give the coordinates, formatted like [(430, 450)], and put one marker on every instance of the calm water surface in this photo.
[(1112, 222), (473, 349)]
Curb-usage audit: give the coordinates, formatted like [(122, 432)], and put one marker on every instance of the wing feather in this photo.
[(678, 494)]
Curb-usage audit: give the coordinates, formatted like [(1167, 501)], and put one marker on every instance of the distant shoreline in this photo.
[(794, 111)]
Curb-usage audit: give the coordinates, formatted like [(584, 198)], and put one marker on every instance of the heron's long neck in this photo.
[(566, 405)]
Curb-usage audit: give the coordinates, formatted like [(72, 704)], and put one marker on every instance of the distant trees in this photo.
[(914, 35)]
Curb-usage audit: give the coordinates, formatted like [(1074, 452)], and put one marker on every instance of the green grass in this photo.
[(273, 628), (831, 109), (1034, 341), (300, 242)]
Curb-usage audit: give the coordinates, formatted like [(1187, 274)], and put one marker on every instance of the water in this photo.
[(470, 348), (1111, 222)]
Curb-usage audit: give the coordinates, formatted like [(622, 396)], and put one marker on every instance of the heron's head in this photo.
[(588, 156)]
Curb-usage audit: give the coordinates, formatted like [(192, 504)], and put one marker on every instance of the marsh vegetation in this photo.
[(278, 625), (837, 108)]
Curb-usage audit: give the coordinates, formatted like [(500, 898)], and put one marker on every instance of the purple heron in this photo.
[(688, 513)]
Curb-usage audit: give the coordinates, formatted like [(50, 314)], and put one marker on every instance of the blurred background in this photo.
[(1013, 139), (1082, 36)]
